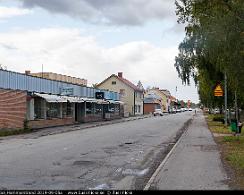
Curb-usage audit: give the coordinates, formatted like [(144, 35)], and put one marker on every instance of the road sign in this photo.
[(218, 91)]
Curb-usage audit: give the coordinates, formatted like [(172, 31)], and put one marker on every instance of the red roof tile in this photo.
[(130, 84)]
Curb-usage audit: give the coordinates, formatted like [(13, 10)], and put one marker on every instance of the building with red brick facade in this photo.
[(151, 102)]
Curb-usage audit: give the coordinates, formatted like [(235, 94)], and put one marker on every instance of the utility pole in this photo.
[(226, 100)]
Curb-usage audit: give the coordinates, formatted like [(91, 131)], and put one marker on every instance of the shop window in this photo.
[(67, 110), (39, 108), (111, 108), (53, 110), (116, 110), (98, 109), (88, 108)]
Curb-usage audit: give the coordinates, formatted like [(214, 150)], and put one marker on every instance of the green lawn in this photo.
[(232, 150), (6, 132), (216, 126)]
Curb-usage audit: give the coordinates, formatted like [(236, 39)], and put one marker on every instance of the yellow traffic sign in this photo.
[(218, 91)]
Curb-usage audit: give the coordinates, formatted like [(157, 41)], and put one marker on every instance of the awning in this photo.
[(92, 100), (51, 98), (119, 102), (115, 102), (60, 99), (74, 99), (100, 101)]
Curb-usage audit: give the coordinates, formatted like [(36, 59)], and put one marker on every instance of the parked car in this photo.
[(178, 110), (158, 112), (189, 109), (172, 111), (216, 111), (183, 109)]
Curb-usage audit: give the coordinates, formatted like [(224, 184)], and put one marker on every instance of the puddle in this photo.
[(100, 187), (83, 162), (135, 172)]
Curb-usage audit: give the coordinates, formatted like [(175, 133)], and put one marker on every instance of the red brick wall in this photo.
[(92, 118), (149, 108), (50, 123), (12, 108)]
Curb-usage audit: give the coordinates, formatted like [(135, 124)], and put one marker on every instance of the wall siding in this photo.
[(12, 108)]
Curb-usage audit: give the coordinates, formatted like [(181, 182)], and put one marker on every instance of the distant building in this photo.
[(151, 102), (163, 98), (130, 94), (59, 77)]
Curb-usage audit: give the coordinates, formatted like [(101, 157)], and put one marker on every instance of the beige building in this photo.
[(164, 97), (130, 94), (59, 77)]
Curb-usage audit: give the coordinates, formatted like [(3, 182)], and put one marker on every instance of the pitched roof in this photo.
[(125, 81)]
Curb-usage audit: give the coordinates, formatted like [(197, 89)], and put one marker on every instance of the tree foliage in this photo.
[(213, 45)]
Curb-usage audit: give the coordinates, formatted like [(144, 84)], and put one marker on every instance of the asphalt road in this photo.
[(117, 156)]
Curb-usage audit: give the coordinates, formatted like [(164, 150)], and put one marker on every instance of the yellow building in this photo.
[(164, 99), (130, 94), (59, 77)]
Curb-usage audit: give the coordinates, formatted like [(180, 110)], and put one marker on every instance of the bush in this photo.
[(219, 119)]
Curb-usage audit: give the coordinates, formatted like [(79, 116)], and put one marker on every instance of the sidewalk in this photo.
[(195, 163), (67, 128)]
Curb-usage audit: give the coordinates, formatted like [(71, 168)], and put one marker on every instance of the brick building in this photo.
[(151, 102)]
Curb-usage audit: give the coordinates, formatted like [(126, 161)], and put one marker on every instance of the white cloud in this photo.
[(8, 12), (66, 51)]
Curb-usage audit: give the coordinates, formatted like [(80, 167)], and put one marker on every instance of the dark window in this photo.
[(67, 110), (88, 108), (39, 108), (99, 108), (113, 82), (53, 110)]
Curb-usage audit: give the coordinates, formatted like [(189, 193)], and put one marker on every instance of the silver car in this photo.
[(158, 112)]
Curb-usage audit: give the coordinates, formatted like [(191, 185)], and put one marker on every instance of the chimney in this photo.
[(120, 74), (27, 72)]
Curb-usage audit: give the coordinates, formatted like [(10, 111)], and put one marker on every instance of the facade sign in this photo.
[(99, 95), (67, 91)]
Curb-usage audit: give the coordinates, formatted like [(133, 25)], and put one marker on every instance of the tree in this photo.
[(213, 44)]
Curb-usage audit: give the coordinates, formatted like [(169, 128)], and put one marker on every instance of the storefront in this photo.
[(39, 109)]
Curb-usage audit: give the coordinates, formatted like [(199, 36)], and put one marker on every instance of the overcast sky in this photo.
[(93, 39)]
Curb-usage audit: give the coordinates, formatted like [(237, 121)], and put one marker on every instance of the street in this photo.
[(116, 156)]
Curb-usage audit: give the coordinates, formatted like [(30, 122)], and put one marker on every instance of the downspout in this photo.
[(134, 102)]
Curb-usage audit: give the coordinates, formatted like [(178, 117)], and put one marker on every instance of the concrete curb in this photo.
[(92, 125)]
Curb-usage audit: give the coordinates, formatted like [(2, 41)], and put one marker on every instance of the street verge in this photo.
[(231, 149)]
